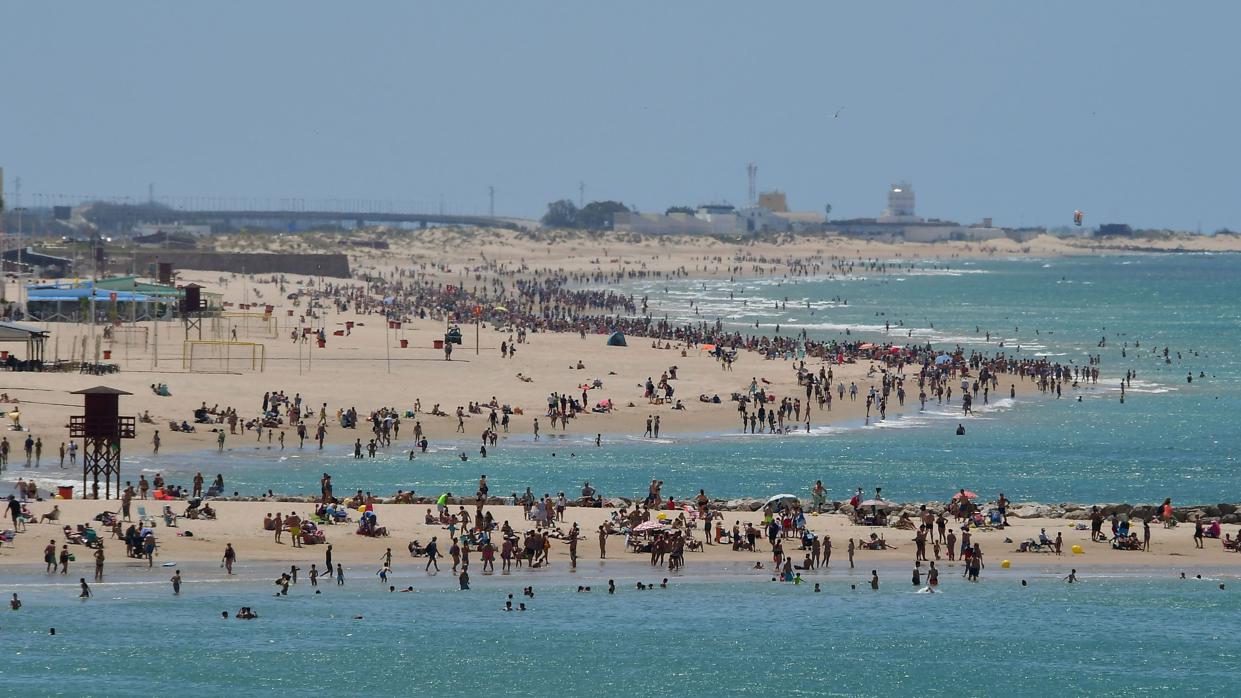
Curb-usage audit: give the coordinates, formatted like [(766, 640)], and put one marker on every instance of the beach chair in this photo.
[(143, 518)]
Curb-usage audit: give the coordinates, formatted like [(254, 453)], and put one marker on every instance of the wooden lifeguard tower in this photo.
[(192, 307), (101, 430)]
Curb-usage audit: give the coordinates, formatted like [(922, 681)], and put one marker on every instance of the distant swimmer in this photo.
[(960, 430)]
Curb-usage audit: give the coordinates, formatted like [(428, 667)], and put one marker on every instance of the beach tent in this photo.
[(617, 339), (942, 359)]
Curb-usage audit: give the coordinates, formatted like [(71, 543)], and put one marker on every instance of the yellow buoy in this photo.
[(1006, 564), (1077, 550)]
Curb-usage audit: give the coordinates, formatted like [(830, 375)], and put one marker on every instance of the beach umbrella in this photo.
[(877, 503), (650, 526), (942, 359), (967, 495), (781, 500), (867, 345), (500, 309)]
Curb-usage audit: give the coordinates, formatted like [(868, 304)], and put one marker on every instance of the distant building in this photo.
[(900, 221), (773, 201), (900, 205)]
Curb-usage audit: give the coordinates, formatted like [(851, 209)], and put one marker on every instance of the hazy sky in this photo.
[(1019, 111)]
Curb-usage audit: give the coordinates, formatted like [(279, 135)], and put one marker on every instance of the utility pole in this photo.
[(581, 194), (151, 193), (491, 202), (20, 210)]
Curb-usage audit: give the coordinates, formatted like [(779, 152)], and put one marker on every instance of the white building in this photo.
[(900, 205)]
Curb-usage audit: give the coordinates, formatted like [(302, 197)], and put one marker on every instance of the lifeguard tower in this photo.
[(192, 308), (101, 430)]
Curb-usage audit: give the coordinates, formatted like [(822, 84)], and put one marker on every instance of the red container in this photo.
[(65, 491), (438, 344), (107, 354), (322, 343), (404, 343)]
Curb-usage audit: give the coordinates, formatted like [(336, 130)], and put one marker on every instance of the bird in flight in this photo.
[(837, 114)]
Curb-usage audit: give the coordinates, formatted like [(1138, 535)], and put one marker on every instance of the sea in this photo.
[(1128, 632)]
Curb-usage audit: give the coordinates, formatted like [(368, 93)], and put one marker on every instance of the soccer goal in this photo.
[(222, 355)]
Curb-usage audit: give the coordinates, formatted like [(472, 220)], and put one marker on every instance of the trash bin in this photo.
[(107, 354), (438, 344), (65, 491), (404, 343), (322, 343)]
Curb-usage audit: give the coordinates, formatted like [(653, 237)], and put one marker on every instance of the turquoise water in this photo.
[(1123, 636), (732, 633), (1169, 437)]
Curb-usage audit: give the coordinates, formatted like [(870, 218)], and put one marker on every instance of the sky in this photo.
[(1022, 112)]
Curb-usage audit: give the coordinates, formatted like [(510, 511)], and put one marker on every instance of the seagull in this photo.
[(837, 114)]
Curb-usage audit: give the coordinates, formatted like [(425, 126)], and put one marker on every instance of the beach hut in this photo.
[(617, 339)]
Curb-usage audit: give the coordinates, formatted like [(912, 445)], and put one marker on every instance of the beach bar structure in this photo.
[(35, 340), (78, 301), (101, 430)]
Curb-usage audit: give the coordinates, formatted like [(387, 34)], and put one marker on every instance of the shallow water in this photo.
[(1119, 635)]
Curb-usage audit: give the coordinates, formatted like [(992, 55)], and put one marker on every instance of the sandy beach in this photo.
[(241, 524), (369, 368), (366, 364)]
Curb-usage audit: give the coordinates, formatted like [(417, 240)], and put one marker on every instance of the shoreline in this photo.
[(240, 523)]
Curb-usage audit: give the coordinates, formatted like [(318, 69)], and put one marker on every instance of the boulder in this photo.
[(1226, 509), (1031, 511), (1077, 515)]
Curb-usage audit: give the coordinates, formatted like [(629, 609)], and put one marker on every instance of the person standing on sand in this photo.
[(851, 549), (198, 484), (155, 443), (536, 428), (219, 442), (230, 556)]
